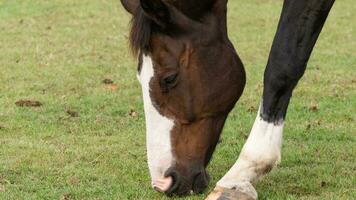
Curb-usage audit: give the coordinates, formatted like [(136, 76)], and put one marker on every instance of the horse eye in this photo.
[(170, 79), (169, 82)]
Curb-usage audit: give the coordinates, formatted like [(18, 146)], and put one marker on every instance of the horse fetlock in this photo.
[(262, 163)]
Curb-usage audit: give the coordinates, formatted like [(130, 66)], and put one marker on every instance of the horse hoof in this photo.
[(245, 192)]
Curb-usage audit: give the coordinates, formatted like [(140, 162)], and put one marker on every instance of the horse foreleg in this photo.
[(299, 27)]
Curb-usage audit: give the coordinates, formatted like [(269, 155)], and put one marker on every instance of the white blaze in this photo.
[(158, 127), (262, 150)]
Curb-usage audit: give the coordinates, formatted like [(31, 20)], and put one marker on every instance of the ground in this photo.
[(85, 138)]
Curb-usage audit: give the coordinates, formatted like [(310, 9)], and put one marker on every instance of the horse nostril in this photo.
[(182, 185), (175, 181), (200, 182), (162, 184)]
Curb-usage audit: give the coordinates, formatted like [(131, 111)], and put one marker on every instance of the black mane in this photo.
[(141, 29)]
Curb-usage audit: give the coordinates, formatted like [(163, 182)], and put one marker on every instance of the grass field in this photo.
[(87, 140)]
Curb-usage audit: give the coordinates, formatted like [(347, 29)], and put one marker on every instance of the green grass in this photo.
[(59, 51)]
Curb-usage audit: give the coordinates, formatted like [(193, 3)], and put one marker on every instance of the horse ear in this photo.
[(157, 11), (130, 5)]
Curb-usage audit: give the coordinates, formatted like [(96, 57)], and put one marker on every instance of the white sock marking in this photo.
[(261, 152)]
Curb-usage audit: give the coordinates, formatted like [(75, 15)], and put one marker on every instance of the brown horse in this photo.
[(191, 78)]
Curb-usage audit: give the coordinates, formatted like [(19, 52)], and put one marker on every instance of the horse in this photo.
[(192, 77)]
